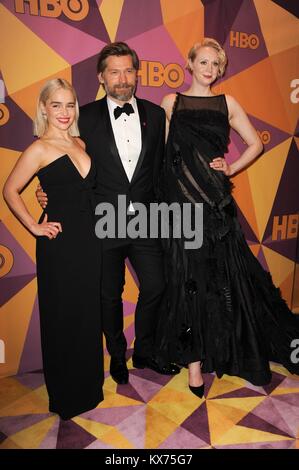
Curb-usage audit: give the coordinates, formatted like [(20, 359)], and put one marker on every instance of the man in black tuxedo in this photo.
[(125, 136)]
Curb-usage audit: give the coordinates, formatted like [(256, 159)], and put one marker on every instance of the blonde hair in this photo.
[(40, 122), (208, 42)]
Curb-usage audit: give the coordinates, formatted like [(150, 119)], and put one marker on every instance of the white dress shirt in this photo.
[(127, 134)]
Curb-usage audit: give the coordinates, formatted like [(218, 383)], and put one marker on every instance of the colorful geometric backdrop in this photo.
[(43, 39)]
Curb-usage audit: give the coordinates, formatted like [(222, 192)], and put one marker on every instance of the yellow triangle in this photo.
[(27, 97), (9, 444), (219, 424), (279, 27), (280, 267), (180, 410), (113, 399), (101, 93), (117, 440), (28, 48), (17, 311), (255, 249), (222, 386), (96, 429), (243, 195), (31, 438), (158, 428), (30, 403), (244, 404), (131, 290), (264, 177), (262, 100), (19, 232), (286, 288), (186, 30), (173, 9), (11, 390), (111, 16), (243, 435)]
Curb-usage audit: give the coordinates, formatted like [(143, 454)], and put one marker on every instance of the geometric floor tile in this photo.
[(156, 412)]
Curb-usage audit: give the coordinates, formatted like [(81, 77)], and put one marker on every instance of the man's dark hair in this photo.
[(117, 49)]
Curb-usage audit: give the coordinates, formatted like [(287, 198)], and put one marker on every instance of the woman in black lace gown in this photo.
[(67, 255), (224, 313)]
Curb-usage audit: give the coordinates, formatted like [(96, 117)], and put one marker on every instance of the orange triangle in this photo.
[(27, 97), (280, 267), (264, 177), (286, 288), (255, 249), (173, 9), (243, 196), (288, 61), (279, 27), (187, 30), (261, 97), (131, 290)]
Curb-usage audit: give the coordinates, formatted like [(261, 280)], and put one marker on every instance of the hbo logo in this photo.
[(243, 40), (75, 10)]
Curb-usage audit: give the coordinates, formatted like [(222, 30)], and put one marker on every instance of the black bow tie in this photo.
[(127, 108)]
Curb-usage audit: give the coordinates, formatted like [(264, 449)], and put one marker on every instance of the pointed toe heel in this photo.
[(198, 391)]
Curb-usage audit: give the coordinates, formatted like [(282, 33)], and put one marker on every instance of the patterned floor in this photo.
[(156, 412)]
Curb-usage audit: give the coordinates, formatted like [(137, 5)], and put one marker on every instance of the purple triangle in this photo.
[(17, 120), (129, 307), (241, 58), (143, 44), (83, 73), (182, 439), (32, 356), (241, 393), (198, 424), (145, 388), (93, 24), (98, 444), (275, 382), (246, 228), (110, 416), (255, 422), (271, 136), (267, 411), (12, 285), (288, 411), (260, 445), (290, 398), (262, 260), (128, 391), (43, 27), (151, 375), (30, 380), (296, 133), (50, 441), (291, 7), (13, 424), (133, 428), (72, 436), (285, 203), (137, 17), (22, 262), (132, 272), (216, 13)]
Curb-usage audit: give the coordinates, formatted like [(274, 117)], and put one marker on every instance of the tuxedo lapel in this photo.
[(143, 124), (110, 139)]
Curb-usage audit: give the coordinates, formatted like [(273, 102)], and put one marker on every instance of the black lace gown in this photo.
[(223, 308), (68, 275)]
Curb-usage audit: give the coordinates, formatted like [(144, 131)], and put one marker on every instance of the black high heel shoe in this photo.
[(198, 391)]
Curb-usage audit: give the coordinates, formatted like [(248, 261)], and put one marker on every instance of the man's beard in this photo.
[(120, 92)]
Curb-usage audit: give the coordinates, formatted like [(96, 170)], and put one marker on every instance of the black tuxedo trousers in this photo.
[(145, 255)]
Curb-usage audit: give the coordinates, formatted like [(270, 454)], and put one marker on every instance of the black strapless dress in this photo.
[(223, 308), (68, 275)]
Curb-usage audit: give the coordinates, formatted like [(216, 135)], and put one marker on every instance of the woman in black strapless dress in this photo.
[(67, 255), (224, 313)]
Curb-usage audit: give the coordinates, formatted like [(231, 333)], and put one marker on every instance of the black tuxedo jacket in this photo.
[(96, 131)]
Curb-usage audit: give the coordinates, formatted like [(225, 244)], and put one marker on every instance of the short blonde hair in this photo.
[(209, 42), (40, 123)]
